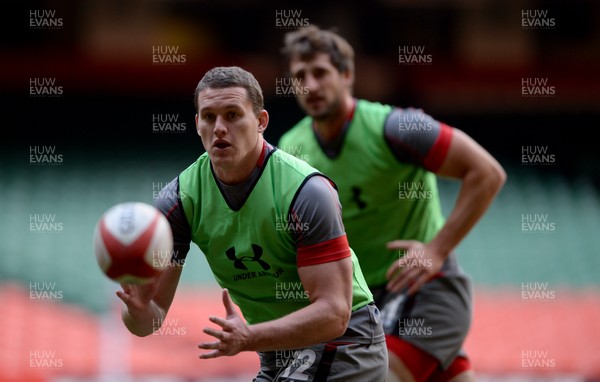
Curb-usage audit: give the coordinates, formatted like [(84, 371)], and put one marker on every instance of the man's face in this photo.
[(229, 129), (325, 85)]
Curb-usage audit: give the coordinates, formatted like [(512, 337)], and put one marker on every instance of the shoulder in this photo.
[(366, 108), (298, 130), (190, 181), (289, 163), (317, 206), (168, 197), (416, 137), (318, 188), (372, 116), (202, 159)]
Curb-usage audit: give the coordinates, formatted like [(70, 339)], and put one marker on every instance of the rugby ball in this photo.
[(133, 243)]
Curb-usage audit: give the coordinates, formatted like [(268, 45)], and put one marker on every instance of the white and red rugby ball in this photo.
[(133, 242)]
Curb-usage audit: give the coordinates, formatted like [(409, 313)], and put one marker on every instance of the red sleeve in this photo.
[(436, 155), (324, 252)]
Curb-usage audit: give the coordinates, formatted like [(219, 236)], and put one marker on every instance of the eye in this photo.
[(208, 117), (319, 72), (232, 115)]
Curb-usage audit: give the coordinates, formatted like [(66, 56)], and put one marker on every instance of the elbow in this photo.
[(343, 324), (490, 179), (498, 178), (339, 320), (140, 332), (139, 327), (500, 174)]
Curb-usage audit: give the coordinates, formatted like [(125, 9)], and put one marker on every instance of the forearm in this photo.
[(320, 321), (476, 194), (145, 321), (146, 306)]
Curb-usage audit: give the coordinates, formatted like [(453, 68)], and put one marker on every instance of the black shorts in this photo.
[(360, 355), (436, 319)]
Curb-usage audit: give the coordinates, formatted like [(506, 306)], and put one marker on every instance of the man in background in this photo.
[(384, 160)]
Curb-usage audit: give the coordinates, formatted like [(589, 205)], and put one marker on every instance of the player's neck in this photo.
[(330, 128)]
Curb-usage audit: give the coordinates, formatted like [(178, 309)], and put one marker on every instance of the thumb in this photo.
[(229, 305), (400, 244), (123, 296)]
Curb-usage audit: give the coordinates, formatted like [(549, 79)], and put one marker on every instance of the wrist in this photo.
[(437, 246), (252, 340), (143, 321)]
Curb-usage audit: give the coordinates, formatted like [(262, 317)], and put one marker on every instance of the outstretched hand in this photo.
[(418, 265), (232, 338), (138, 296)]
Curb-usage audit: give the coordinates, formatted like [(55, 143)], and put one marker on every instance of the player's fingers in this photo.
[(209, 345), (212, 354), (393, 269), (409, 277), (219, 321), (418, 283), (229, 306), (398, 283), (124, 297), (400, 244), (215, 333), (398, 270)]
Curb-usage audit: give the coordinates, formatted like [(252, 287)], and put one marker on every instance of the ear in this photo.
[(263, 121), (348, 77), (197, 128)]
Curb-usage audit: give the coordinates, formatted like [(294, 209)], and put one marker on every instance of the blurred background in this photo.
[(97, 110)]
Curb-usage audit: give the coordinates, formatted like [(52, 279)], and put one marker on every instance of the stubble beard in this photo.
[(328, 113)]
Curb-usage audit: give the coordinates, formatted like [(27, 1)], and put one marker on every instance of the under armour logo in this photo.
[(238, 262), (356, 191)]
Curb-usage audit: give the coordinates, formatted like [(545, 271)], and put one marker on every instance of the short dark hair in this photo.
[(232, 77), (310, 40)]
